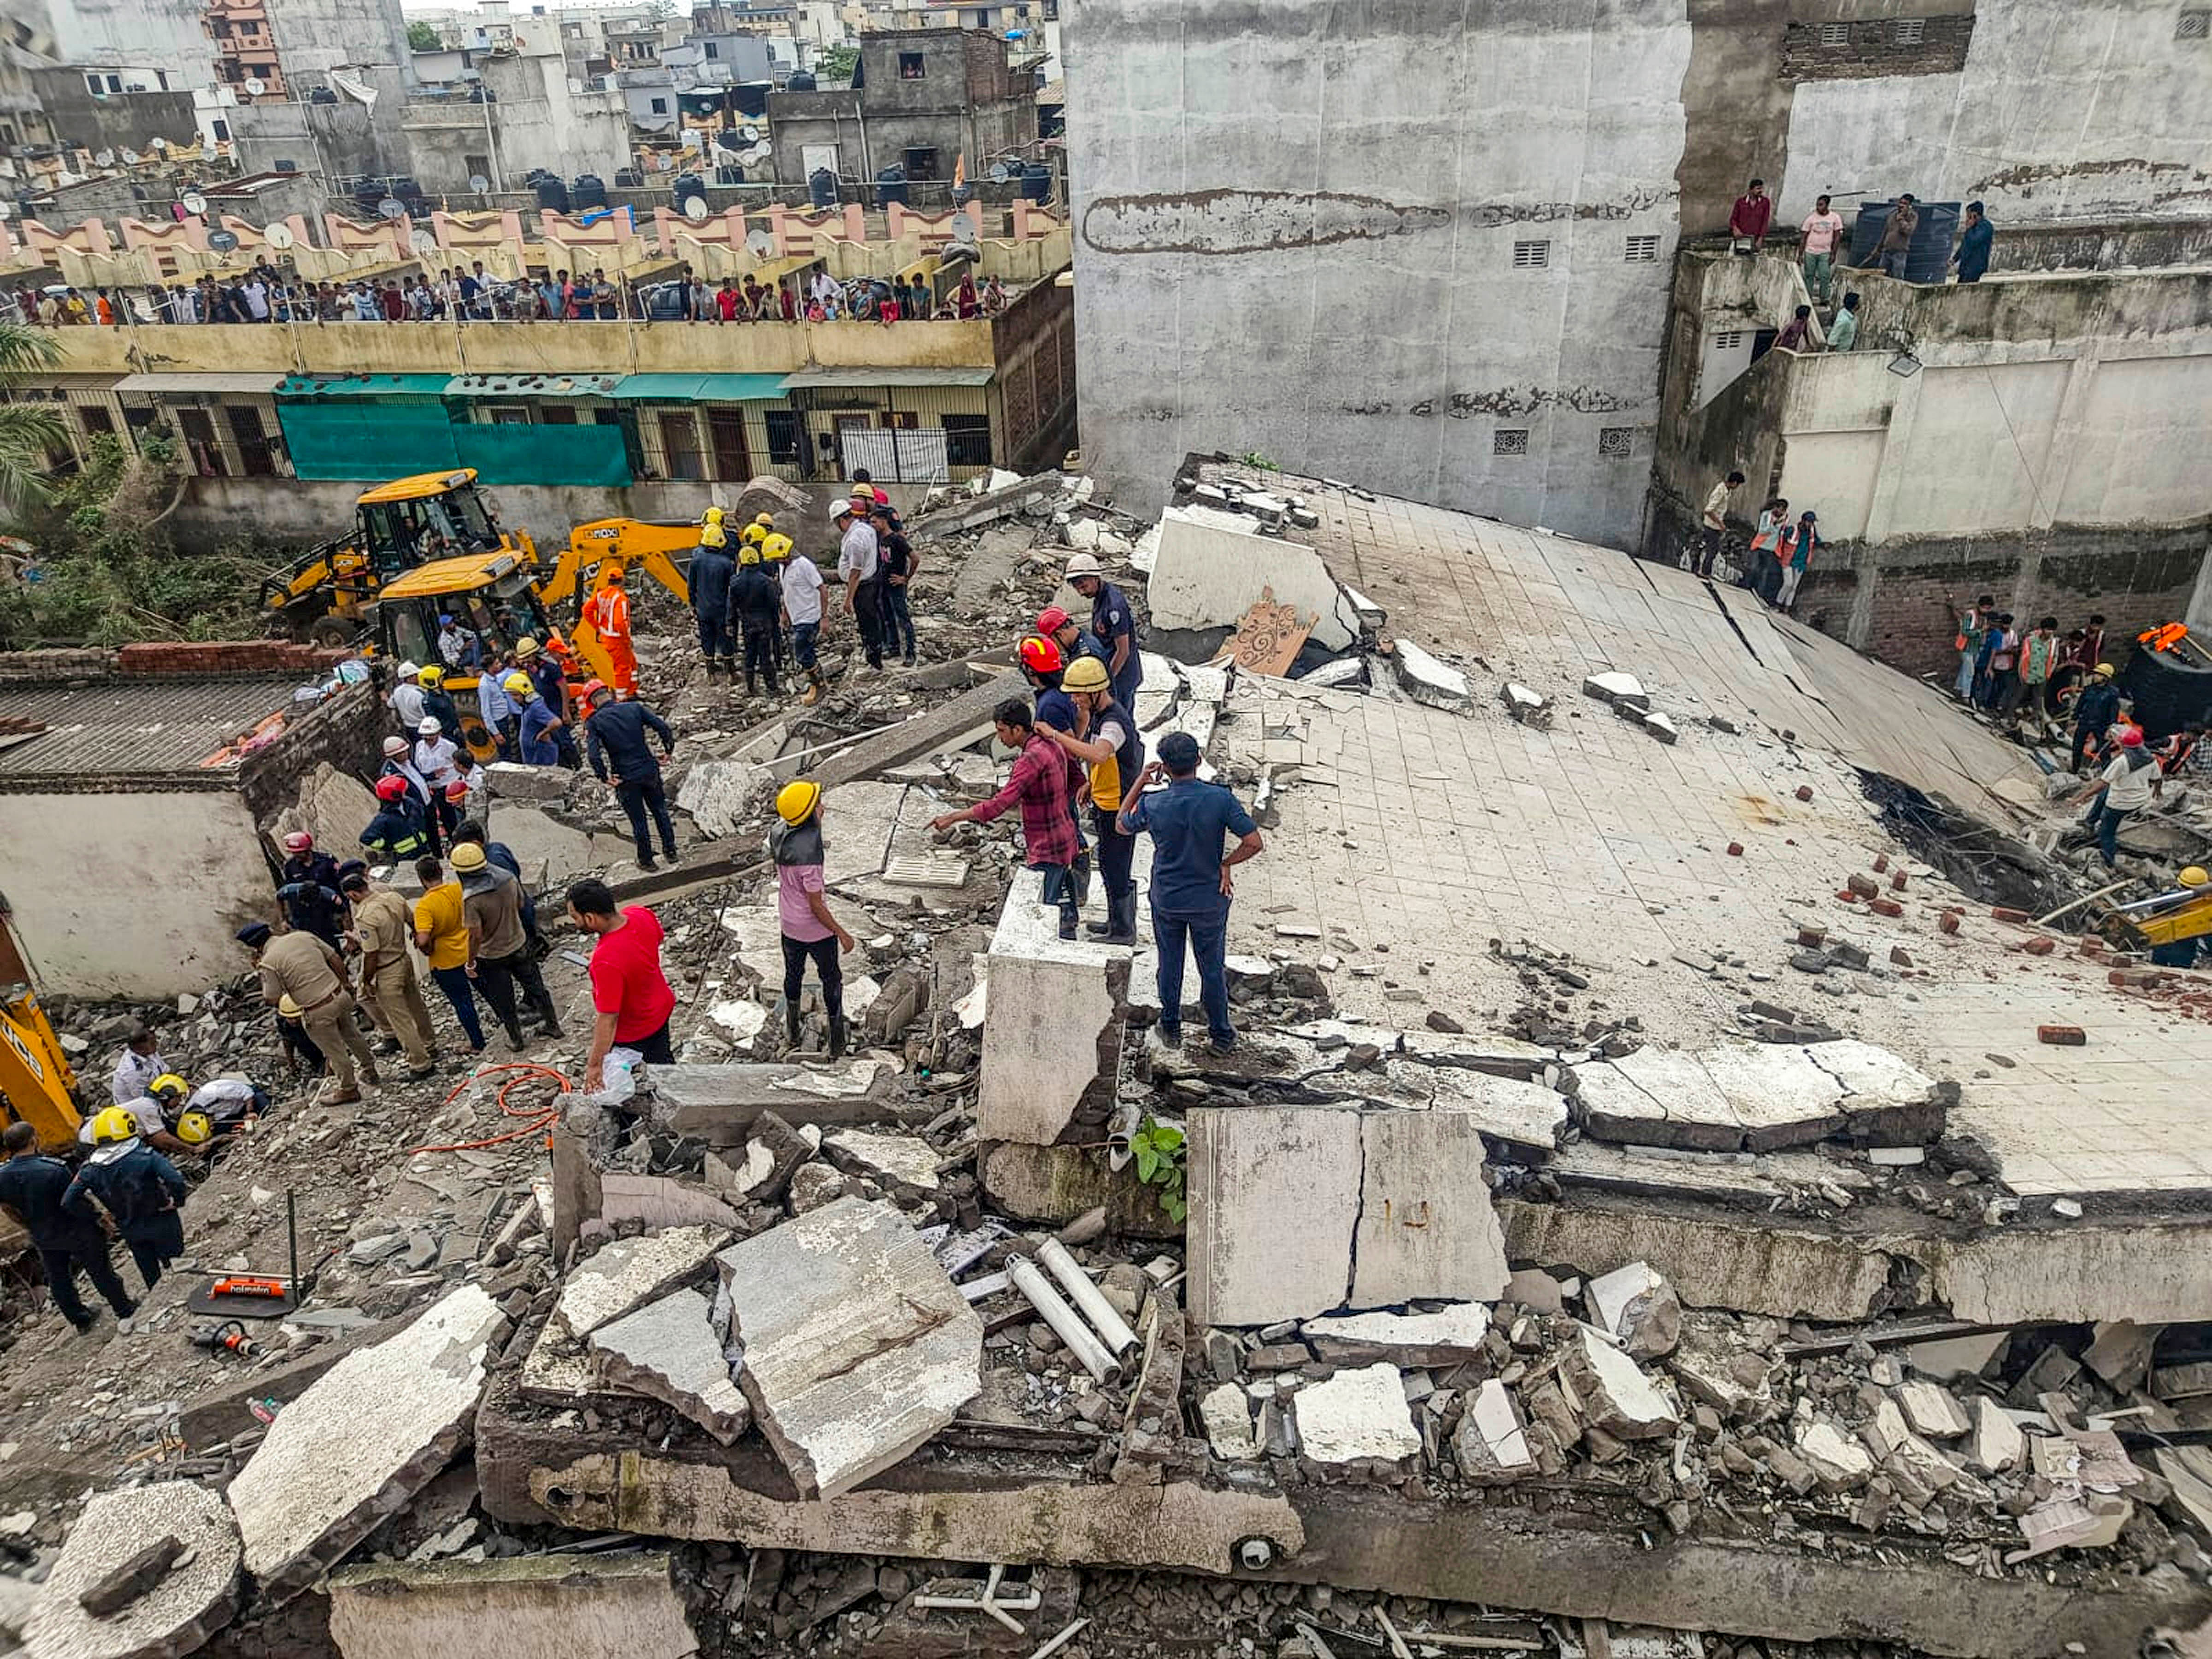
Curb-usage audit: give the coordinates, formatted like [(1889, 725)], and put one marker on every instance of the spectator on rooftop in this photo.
[(1748, 219), (1972, 257)]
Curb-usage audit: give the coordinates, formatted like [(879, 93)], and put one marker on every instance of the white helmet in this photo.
[(1084, 564), (429, 727), (408, 670)]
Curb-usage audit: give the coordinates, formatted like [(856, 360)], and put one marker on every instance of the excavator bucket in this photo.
[(36, 1083)]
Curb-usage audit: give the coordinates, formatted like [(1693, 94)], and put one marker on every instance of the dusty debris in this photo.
[(168, 1613), (667, 1351)]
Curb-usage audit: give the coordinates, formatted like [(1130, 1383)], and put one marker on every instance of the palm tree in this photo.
[(28, 432)]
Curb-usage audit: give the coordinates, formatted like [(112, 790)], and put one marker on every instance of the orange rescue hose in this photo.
[(541, 1118)]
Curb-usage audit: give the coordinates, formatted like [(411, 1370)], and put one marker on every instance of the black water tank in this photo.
[(553, 193), (1928, 260), (822, 187), (2170, 689), (590, 190), (1036, 182), (890, 186), (803, 81)]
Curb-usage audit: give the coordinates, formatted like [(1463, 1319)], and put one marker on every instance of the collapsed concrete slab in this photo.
[(543, 1607), (628, 1273), (857, 1346), (364, 1439), (1447, 1337), (1424, 679), (667, 1351), (1760, 1096), (189, 1601), (1204, 577), (719, 1104), (1298, 1210), (1052, 1025)]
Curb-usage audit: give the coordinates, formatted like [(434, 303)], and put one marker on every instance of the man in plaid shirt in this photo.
[(1040, 783)]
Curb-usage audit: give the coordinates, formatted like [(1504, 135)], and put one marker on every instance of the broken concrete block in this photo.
[(194, 1597), (1638, 1306), (1426, 1225), (1782, 1098), (1273, 1193), (1891, 1439), (1227, 1416), (736, 1174), (2120, 1353), (1052, 1024), (1357, 1416), (906, 1163), (2091, 1523), (368, 1435), (1530, 707), (628, 1273), (1205, 577), (667, 1351), (721, 1105), (1617, 690), (132, 1578), (1491, 1442), (1955, 1356), (1524, 1115), (1424, 679), (1447, 1337), (1534, 1288), (858, 1347), (1838, 1462), (1660, 726), (1932, 1411), (571, 1606), (814, 1186), (511, 780), (1999, 1445), (1611, 1392)]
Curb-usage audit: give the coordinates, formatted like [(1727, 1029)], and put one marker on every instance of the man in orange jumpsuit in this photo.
[(608, 612)]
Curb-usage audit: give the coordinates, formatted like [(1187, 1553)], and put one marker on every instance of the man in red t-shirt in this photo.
[(630, 995), (1750, 217)]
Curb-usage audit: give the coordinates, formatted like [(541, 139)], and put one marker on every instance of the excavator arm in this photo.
[(600, 547), (35, 1078)]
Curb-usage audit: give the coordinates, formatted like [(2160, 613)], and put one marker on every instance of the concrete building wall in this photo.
[(316, 36), (133, 939), (162, 33), (1296, 224)]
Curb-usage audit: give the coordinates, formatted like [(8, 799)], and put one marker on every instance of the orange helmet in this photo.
[(592, 689), (1040, 655)]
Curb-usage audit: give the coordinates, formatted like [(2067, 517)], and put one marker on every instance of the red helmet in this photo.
[(299, 841), (1051, 620), (592, 689), (457, 790), (391, 788), (1040, 655)]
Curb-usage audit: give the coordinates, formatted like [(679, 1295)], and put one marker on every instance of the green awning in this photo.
[(362, 386), (510, 387), (700, 388)]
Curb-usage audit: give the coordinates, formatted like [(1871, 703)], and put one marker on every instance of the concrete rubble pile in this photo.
[(1410, 1326)]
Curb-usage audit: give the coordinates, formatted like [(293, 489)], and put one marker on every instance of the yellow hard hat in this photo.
[(2194, 876), (750, 535), (775, 546), (765, 520), (713, 516), (168, 1084), (468, 858), (526, 647), (519, 682), (1085, 673), (287, 1007), (113, 1124), (2104, 668), (796, 801), (749, 553), (195, 1128), (432, 675)]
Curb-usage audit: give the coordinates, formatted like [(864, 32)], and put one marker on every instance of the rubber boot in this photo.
[(790, 1022), (1121, 917), (836, 1036)]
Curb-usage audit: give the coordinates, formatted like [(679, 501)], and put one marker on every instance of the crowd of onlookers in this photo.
[(266, 295)]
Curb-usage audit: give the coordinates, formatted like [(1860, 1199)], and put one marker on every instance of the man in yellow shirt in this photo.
[(442, 934), (1107, 742)]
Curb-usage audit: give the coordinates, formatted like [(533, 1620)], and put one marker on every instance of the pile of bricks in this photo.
[(202, 657)]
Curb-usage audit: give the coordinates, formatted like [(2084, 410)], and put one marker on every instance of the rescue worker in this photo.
[(148, 1115), (754, 607), (227, 1103), (499, 945), (2093, 710), (1038, 783), (311, 973), (396, 834), (503, 855), (708, 580), (900, 565), (1114, 624), (437, 703), (496, 709), (775, 554), (301, 1058), (1106, 740), (615, 736), (2121, 789), (406, 698), (1071, 637), (860, 565), (389, 988), (32, 1191), (551, 679), (457, 644), (137, 1065), (139, 1190), (192, 1128), (1042, 666), (538, 731), (442, 934), (399, 762), (2183, 952), (309, 890), (607, 612), (439, 765), (802, 908)]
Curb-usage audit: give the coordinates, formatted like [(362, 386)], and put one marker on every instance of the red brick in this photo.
[(1804, 792), (1881, 862), (2062, 1036), (2040, 946), (1812, 938), (2001, 914), (1882, 907), (1847, 895), (1948, 921), (1897, 881), (1864, 886), (1736, 849)]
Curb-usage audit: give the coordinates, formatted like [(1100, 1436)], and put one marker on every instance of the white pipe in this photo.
[(1066, 1322), (1086, 1296), (1060, 1640)]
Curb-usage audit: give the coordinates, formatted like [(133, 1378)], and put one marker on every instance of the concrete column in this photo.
[(1896, 459), (2057, 461), (1866, 562)]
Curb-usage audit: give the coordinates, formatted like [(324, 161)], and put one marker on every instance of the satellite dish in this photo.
[(255, 87), (222, 241), (750, 133), (160, 147), (278, 237), (424, 241), (690, 139), (131, 158), (695, 208), (479, 183), (963, 227), (392, 207), (105, 159), (194, 203), (759, 244)]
